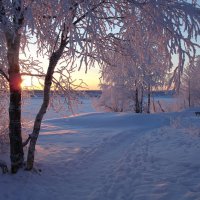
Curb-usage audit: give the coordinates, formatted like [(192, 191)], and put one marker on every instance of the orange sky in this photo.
[(91, 78)]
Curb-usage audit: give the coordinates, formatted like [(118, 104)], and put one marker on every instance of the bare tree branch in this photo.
[(84, 15), (4, 75), (27, 141), (30, 74)]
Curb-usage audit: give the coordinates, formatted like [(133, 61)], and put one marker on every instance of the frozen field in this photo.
[(111, 156), (31, 106)]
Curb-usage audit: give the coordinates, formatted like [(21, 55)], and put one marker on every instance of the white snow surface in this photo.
[(112, 156)]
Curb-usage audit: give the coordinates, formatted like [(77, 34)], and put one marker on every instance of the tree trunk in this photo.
[(154, 107), (141, 100), (16, 147), (149, 100), (38, 120), (189, 93), (137, 104)]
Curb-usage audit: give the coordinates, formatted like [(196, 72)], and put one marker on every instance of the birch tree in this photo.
[(78, 37), (11, 19)]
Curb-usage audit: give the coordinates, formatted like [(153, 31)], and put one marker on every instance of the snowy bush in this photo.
[(172, 104), (114, 99)]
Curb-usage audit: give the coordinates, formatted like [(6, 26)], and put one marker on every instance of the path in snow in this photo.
[(109, 156), (92, 170)]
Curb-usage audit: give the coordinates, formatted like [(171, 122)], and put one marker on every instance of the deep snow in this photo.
[(112, 156)]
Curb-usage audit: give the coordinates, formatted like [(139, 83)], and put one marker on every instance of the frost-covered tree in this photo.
[(74, 31), (138, 64), (11, 20), (82, 27), (190, 86), (82, 33), (155, 30)]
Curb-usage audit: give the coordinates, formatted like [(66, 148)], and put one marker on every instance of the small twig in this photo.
[(161, 107), (30, 74)]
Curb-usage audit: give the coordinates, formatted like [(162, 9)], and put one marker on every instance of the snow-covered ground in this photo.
[(112, 156)]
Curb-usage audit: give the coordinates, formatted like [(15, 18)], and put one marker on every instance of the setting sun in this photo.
[(26, 82)]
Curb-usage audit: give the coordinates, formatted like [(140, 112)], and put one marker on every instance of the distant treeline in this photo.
[(97, 93), (90, 93)]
